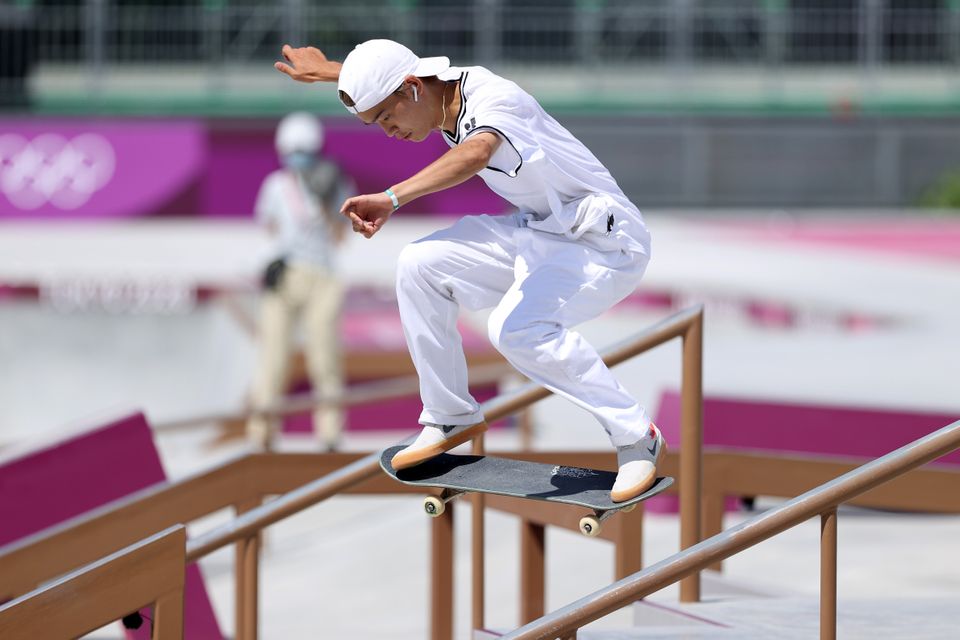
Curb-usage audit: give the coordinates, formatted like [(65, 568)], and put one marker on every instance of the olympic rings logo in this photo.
[(52, 169)]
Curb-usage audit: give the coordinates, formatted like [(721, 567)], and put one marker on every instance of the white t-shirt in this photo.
[(303, 214), (540, 167)]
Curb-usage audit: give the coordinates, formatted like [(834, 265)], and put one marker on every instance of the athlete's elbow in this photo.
[(479, 152), (479, 158)]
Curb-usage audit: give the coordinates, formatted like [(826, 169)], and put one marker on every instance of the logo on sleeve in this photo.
[(467, 126)]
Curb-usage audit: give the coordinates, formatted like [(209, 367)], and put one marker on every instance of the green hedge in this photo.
[(945, 193)]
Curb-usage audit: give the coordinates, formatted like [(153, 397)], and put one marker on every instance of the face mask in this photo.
[(298, 160)]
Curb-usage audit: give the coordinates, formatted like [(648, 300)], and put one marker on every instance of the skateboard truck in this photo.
[(436, 505), (591, 525)]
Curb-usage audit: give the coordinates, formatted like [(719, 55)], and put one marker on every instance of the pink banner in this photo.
[(82, 169)]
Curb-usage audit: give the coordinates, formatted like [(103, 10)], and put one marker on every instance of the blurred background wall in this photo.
[(691, 103), (134, 136)]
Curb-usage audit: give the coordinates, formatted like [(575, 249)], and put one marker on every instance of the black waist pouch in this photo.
[(273, 274)]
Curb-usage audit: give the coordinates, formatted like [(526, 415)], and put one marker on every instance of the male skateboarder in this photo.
[(575, 247)]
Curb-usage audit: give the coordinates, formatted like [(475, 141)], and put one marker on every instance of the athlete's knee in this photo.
[(414, 262), (420, 271), (512, 333), (409, 260)]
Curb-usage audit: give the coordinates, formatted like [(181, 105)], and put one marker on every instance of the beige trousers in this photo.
[(312, 296)]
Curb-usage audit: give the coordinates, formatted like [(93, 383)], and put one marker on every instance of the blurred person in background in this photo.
[(299, 205)]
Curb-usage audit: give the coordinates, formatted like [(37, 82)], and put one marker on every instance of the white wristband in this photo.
[(393, 198)]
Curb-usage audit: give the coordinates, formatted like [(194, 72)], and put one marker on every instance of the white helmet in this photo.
[(299, 131)]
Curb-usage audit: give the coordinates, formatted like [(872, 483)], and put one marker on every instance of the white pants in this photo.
[(540, 284)]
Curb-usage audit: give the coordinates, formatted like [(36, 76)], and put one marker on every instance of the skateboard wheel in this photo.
[(433, 506), (590, 526), (629, 509)]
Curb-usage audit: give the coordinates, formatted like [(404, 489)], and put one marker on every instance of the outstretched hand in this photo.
[(368, 213), (307, 64)]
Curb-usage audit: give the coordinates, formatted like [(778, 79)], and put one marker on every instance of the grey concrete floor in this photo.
[(356, 567)]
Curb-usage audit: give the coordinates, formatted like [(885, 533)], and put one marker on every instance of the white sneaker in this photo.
[(434, 440), (638, 465)]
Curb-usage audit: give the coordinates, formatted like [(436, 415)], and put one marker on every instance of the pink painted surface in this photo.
[(798, 428), (50, 485), (10, 292), (922, 237), (759, 312)]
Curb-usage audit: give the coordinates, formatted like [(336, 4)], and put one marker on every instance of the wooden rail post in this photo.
[(532, 579), (629, 543), (247, 578), (168, 617), (477, 552), (714, 504), (248, 554), (441, 582), (828, 575), (691, 454)]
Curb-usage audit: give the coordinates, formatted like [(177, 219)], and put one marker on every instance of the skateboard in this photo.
[(460, 474)]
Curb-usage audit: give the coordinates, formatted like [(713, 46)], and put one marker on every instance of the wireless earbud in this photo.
[(415, 98)]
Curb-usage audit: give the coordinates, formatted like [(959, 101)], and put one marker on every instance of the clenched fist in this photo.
[(368, 213)]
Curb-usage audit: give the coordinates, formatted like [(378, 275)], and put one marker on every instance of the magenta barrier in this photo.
[(83, 169), (781, 427), (804, 428), (60, 480)]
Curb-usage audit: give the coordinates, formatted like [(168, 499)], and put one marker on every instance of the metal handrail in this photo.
[(148, 572), (379, 390), (251, 522), (823, 501), (363, 393), (673, 326)]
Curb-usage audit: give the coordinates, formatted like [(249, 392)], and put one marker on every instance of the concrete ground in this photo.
[(358, 568), (869, 326)]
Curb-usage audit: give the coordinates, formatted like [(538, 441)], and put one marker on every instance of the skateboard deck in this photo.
[(459, 474)]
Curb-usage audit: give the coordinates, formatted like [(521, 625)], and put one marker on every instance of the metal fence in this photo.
[(93, 43)]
